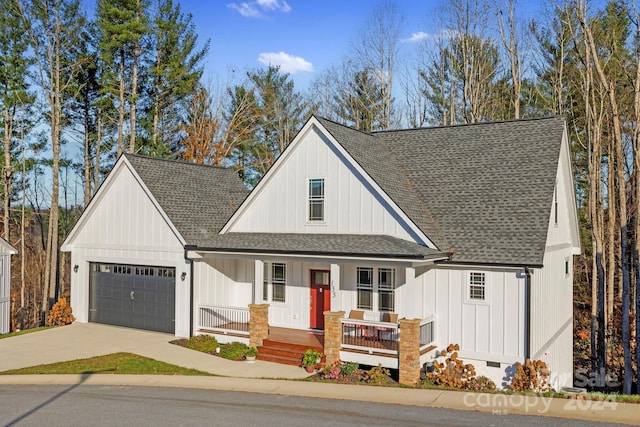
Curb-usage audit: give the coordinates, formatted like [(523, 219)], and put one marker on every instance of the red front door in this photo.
[(320, 297)]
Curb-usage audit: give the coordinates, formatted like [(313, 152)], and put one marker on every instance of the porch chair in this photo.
[(386, 334), (349, 328)]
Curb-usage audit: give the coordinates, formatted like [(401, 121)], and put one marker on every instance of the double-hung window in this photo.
[(364, 285), (376, 291), (386, 286), (274, 282), (316, 199), (477, 286)]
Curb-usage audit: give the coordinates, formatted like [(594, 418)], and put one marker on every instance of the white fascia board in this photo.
[(577, 248), (409, 262), (374, 185), (271, 172), (122, 162), (67, 245), (306, 129), (7, 247)]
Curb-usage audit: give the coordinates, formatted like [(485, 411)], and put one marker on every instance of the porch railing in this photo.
[(226, 320), (370, 336), (427, 332)]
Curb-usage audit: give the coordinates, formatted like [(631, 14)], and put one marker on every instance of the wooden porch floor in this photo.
[(310, 339)]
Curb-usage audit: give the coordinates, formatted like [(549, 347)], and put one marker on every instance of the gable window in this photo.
[(386, 286), (274, 282), (476, 286), (316, 199), (364, 285)]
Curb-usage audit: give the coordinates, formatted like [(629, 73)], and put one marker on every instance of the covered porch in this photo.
[(358, 340)]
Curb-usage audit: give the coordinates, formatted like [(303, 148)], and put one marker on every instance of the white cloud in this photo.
[(258, 8), (247, 10), (274, 5), (287, 63), (421, 36), (417, 37)]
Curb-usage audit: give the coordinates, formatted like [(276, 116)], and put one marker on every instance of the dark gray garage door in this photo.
[(134, 296)]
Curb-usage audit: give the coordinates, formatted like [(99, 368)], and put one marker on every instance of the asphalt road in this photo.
[(80, 405)]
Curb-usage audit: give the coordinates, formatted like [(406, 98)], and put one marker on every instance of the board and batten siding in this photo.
[(223, 282), (126, 227), (350, 206), (552, 285), (5, 293)]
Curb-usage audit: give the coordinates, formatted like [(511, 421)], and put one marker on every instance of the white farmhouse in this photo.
[(467, 231)]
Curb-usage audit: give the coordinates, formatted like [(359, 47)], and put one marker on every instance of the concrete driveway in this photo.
[(82, 340)]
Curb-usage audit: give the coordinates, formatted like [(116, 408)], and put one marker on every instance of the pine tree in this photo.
[(123, 26), (174, 73), (14, 95)]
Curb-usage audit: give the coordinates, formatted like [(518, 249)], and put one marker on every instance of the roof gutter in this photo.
[(478, 264), (313, 254)]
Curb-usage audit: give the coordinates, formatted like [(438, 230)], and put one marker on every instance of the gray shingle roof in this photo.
[(197, 199), (380, 163), (320, 244), (487, 188)]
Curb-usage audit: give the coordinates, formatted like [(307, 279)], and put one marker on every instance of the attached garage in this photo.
[(128, 265), (133, 296)]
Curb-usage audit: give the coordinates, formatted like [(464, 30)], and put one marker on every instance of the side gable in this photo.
[(7, 248), (354, 202), (489, 186), (124, 213), (563, 230)]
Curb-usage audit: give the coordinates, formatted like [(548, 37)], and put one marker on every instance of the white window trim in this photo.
[(468, 285), (375, 290), (308, 199), (268, 265)]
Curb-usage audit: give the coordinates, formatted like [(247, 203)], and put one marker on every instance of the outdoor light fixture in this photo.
[(183, 275), (75, 268)]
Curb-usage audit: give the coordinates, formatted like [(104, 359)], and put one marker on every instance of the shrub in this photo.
[(377, 375), (251, 352), (204, 343), (60, 314), (340, 369), (453, 372), (233, 350), (532, 376), (480, 383)]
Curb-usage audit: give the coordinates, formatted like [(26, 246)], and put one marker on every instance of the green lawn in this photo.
[(24, 331), (116, 363)]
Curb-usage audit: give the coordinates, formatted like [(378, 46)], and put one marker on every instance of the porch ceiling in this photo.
[(320, 245)]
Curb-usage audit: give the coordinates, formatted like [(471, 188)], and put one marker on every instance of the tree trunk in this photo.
[(87, 161), (96, 167), (121, 106)]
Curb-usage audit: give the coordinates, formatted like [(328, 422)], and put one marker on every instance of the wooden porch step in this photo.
[(285, 353), (283, 360), (292, 347)]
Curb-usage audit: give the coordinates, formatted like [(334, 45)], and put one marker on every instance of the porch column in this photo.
[(332, 335), (258, 324), (335, 284), (409, 353), (258, 277)]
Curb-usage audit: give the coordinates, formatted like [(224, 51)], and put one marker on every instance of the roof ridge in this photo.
[(370, 133), (175, 161), (458, 125)]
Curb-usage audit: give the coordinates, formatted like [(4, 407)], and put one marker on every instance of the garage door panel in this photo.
[(140, 297)]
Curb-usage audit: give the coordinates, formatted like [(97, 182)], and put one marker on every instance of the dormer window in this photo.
[(316, 199)]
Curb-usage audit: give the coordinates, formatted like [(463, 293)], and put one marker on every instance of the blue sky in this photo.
[(304, 37)]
